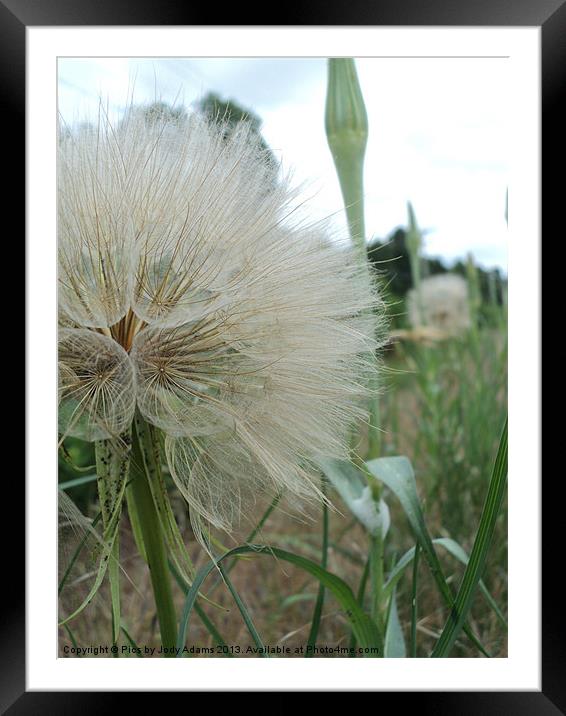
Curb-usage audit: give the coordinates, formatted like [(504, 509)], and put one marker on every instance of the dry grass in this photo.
[(281, 598)]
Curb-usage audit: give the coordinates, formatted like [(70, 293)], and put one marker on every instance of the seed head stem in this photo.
[(153, 539)]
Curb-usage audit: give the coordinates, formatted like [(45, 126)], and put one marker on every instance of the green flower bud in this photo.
[(413, 239), (347, 132), (346, 118)]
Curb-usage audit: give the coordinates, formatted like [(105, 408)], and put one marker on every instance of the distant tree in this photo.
[(159, 110), (153, 112), (391, 258), (213, 107)]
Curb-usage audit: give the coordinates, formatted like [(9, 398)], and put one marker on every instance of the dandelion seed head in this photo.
[(96, 385), (443, 303), (191, 288)]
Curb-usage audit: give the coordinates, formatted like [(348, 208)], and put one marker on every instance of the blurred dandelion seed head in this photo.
[(190, 287), (443, 303)]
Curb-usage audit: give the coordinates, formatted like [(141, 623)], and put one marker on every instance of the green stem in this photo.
[(347, 134), (360, 599), (351, 177), (415, 263), (153, 541), (374, 432), (262, 521), (413, 243), (376, 578), (414, 603), (317, 615), (114, 578)]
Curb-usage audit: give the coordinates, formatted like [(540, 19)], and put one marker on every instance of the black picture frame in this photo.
[(550, 15)]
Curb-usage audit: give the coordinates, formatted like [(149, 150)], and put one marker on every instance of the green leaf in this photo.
[(482, 543), (394, 646), (397, 473), (111, 476), (364, 629), (78, 550), (112, 470), (135, 521), (108, 540), (352, 486)]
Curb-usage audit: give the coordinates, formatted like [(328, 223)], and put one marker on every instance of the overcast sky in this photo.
[(437, 138)]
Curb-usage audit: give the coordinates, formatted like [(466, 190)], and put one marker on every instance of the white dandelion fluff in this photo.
[(442, 303), (189, 291)]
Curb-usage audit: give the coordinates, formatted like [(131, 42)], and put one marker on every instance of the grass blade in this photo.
[(250, 538), (131, 642), (360, 598), (73, 640), (213, 631), (317, 614), (364, 629), (77, 481), (244, 612), (397, 473), (453, 548), (394, 645), (414, 603), (456, 551), (208, 624), (479, 552)]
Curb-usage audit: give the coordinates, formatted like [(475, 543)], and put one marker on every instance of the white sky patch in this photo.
[(438, 130)]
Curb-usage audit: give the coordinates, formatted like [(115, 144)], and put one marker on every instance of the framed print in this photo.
[(283, 274)]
